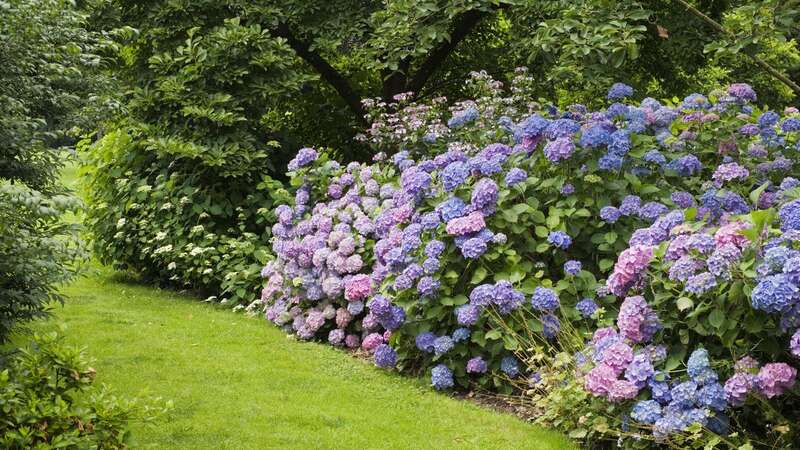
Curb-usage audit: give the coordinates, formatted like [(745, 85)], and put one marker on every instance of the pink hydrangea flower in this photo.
[(602, 333), (622, 390), (738, 386), (618, 356), (636, 320), (729, 234), (775, 378), (600, 380), (343, 317), (371, 342), (359, 287), (629, 267), (470, 223), (352, 341)]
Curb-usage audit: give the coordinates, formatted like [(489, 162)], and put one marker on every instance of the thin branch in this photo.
[(328, 72), (462, 26), (760, 62)]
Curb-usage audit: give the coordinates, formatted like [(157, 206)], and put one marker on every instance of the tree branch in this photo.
[(328, 72), (462, 26), (760, 62)]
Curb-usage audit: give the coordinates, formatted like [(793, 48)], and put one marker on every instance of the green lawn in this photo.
[(237, 382)]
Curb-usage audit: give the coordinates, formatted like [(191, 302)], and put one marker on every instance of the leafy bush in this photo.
[(479, 259), (49, 72), (49, 401), (37, 252), (177, 215)]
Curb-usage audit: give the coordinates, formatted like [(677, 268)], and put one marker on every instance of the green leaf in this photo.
[(684, 303), (716, 318), (493, 335), (478, 276), (611, 237), (756, 194)]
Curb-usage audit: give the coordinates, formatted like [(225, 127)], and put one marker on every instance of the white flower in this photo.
[(161, 235), (165, 249), (172, 266), (166, 206), (207, 271), (121, 222)]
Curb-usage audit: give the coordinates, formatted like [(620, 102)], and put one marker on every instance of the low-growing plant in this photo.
[(49, 400)]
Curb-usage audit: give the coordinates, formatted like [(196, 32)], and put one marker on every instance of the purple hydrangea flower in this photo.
[(544, 299), (477, 365), (610, 214), (385, 356), (515, 176), (304, 157)]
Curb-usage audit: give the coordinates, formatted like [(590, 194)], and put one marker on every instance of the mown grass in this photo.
[(238, 383)]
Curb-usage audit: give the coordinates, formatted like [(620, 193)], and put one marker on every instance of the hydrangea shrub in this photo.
[(485, 236)]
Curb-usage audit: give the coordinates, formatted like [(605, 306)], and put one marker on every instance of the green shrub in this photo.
[(179, 216), (37, 251), (48, 400)]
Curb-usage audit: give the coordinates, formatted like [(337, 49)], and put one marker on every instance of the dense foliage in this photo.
[(51, 87), (217, 93), (475, 255), (49, 400), (178, 218)]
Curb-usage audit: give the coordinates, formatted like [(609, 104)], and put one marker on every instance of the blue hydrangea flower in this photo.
[(462, 118), (473, 248), (461, 334), (467, 314), (790, 216), (442, 345), (655, 157), (434, 248), (610, 214), (550, 326), (510, 366), (768, 119), (572, 267), (609, 162), (712, 396), (586, 307), (698, 362), (424, 341), (560, 239), (428, 287), (562, 128), (790, 124), (515, 176), (774, 294), (544, 299), (454, 175), (618, 91), (451, 208), (595, 136), (441, 377), (646, 411), (684, 394), (685, 166)]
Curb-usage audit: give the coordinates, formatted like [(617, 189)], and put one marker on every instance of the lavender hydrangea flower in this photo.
[(742, 91), (304, 157), (424, 341), (477, 365), (467, 315), (700, 283), (442, 345), (559, 149), (610, 214)]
